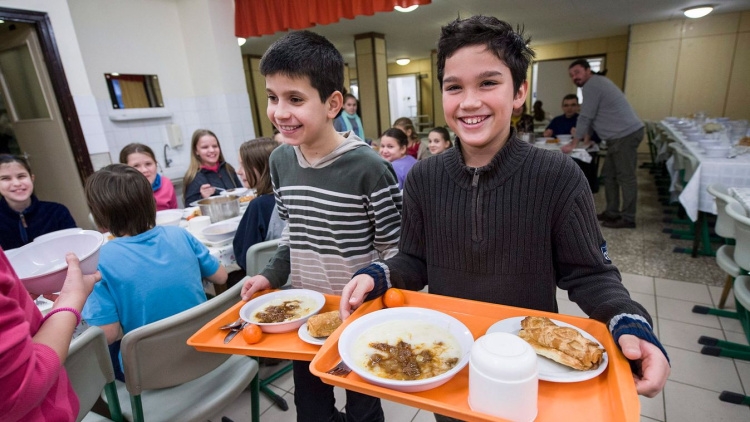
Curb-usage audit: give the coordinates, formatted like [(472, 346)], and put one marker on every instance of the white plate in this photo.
[(550, 370), (307, 338), (250, 308)]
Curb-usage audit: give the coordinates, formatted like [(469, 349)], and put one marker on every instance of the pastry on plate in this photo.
[(323, 325), (563, 345)]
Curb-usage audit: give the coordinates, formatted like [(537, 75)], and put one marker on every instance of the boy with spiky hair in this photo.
[(498, 220), (340, 199)]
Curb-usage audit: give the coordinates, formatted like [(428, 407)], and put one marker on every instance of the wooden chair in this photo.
[(89, 368), (257, 257), (168, 380)]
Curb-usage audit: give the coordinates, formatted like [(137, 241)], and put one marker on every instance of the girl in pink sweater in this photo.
[(33, 383), (143, 159)]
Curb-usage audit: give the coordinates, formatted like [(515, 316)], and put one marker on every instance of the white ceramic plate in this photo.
[(307, 338), (249, 309), (550, 370)]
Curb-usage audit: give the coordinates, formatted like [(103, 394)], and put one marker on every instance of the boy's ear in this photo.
[(520, 96), (334, 104)]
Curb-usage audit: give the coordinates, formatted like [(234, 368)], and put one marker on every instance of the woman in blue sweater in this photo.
[(23, 217)]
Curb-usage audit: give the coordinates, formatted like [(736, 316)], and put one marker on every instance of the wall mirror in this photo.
[(133, 91)]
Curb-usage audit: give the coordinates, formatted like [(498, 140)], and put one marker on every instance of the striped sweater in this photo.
[(342, 213)]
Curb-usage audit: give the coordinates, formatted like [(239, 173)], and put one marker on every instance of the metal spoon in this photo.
[(232, 325)]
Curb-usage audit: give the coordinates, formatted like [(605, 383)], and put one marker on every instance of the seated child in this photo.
[(349, 119), (149, 272), (416, 148), (255, 225), (393, 145), (440, 140), (142, 158), (208, 170), (23, 217)]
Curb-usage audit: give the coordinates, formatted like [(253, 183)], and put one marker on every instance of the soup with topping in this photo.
[(407, 350), (285, 310)]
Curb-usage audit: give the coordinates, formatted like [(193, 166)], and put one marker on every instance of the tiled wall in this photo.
[(227, 115)]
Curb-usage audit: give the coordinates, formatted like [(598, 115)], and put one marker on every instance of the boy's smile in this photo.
[(478, 100), (294, 107)]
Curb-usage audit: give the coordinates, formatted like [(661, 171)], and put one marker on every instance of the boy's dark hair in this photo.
[(580, 62), (121, 200), (499, 37), (398, 135), (570, 97), (304, 53)]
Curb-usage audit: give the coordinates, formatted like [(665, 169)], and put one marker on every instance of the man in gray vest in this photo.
[(606, 110)]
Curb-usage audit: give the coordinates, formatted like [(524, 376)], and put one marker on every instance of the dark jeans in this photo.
[(619, 175), (315, 402), (114, 355)]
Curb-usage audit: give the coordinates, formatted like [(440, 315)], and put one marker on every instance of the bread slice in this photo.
[(564, 345), (323, 325)]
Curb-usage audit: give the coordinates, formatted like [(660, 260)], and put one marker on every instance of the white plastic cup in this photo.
[(503, 377), (197, 224)]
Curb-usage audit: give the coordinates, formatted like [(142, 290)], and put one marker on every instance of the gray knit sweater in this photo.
[(606, 110), (510, 232)]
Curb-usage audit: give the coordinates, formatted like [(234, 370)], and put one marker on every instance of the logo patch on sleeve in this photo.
[(605, 253)]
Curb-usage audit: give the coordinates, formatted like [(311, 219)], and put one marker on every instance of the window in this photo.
[(134, 91)]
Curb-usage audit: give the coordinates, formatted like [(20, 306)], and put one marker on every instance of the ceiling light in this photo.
[(402, 62), (698, 11), (241, 41), (406, 9)]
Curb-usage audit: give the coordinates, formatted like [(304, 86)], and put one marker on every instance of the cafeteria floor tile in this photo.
[(668, 284)]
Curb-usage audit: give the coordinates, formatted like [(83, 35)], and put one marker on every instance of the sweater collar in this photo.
[(6, 209), (502, 166)]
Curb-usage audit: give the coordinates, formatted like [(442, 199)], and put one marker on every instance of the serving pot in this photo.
[(220, 208)]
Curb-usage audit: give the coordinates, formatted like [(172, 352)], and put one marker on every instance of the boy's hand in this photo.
[(254, 284), (354, 294), (654, 366), (569, 146)]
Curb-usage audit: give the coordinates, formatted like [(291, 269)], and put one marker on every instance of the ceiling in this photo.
[(415, 34)]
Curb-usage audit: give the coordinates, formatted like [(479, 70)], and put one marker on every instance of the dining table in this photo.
[(725, 171), (606, 396)]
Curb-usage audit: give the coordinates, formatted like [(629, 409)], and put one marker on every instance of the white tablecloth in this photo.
[(726, 171)]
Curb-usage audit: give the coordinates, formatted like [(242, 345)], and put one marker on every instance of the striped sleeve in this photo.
[(384, 208)]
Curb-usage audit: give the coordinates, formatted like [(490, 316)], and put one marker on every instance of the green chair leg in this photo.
[(115, 412)]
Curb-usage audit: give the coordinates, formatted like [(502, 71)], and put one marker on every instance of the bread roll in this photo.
[(562, 344), (323, 325)]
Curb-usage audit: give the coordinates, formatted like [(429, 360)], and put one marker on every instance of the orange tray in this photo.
[(609, 397), (280, 345)]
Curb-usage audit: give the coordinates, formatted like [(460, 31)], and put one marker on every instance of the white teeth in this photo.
[(472, 120), (289, 127)]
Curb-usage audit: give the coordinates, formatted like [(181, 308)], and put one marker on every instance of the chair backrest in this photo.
[(724, 223), (89, 368), (741, 234), (157, 355), (679, 157), (259, 254)]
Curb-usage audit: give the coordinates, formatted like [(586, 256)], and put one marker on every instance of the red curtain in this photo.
[(253, 18)]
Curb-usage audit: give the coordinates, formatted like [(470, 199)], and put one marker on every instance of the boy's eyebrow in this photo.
[(487, 74), (290, 92)]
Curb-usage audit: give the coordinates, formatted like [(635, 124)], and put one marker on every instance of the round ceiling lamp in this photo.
[(241, 41), (698, 11), (402, 62), (406, 9)]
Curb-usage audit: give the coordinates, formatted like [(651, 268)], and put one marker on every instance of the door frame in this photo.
[(60, 87)]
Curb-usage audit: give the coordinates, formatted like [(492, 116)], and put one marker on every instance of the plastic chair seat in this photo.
[(725, 260), (196, 400)]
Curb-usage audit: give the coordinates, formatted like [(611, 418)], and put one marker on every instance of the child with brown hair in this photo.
[(208, 170), (142, 158)]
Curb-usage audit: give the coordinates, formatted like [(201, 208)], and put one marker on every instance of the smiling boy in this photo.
[(340, 199), (497, 220)]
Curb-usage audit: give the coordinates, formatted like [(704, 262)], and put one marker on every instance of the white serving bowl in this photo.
[(41, 264), (717, 151), (58, 233), (565, 139), (168, 217), (695, 136), (218, 232), (708, 142), (672, 119), (235, 191), (248, 310), (405, 317)]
